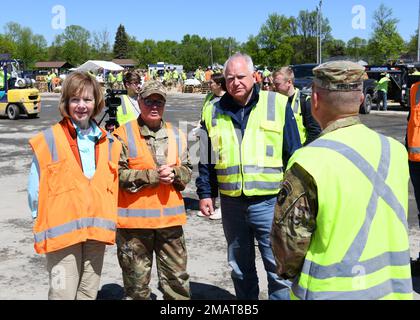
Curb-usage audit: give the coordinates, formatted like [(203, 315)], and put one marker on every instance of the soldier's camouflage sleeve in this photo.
[(294, 221), (133, 180), (183, 173)]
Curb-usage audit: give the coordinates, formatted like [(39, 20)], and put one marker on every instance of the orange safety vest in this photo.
[(71, 207), (208, 75), (413, 127), (152, 207)]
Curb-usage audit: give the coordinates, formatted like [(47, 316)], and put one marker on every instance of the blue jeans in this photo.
[(382, 96), (245, 219)]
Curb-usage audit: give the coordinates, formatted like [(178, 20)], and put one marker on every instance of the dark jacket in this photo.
[(313, 130), (206, 182)]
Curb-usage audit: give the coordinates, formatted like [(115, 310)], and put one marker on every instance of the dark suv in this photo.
[(304, 77)]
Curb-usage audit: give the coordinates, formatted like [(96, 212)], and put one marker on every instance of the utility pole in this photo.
[(317, 34), (418, 45), (211, 53)]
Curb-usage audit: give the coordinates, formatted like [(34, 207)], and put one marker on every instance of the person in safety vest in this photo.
[(248, 136), (340, 224), (154, 169), (129, 108), (72, 191), (309, 129), (413, 148), (382, 88), (120, 80), (2, 77), (111, 80)]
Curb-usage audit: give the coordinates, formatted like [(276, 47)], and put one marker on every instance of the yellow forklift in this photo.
[(17, 94)]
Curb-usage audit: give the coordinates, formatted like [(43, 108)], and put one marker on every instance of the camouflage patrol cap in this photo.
[(340, 76), (152, 87)]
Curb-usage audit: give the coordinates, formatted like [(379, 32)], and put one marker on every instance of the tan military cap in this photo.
[(340, 76), (152, 87)]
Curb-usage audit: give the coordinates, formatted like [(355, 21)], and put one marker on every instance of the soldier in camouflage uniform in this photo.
[(137, 246)]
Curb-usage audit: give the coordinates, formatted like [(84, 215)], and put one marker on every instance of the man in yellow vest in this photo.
[(247, 137), (283, 80), (340, 225), (111, 80), (129, 108), (382, 88), (2, 80), (154, 169), (120, 80)]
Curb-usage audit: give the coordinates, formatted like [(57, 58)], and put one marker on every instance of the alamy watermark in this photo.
[(359, 19), (59, 19)]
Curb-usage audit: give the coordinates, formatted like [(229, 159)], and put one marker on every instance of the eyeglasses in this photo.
[(150, 103)]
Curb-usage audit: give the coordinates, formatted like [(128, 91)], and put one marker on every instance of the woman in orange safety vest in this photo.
[(72, 191)]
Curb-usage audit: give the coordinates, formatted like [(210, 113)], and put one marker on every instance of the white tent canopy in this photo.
[(95, 65)]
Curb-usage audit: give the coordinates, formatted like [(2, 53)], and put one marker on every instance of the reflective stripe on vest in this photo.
[(73, 226), (271, 106), (131, 140), (150, 213), (248, 169), (390, 286), (49, 138), (123, 106), (345, 269)]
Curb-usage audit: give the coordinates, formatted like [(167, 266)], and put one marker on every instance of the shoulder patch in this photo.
[(287, 186), (285, 190)]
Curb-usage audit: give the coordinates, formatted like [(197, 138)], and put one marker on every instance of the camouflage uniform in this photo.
[(295, 214), (297, 205), (135, 247)]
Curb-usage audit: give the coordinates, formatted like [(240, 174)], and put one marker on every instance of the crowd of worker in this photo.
[(301, 176)]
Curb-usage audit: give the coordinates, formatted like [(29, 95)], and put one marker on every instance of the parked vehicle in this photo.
[(17, 95)]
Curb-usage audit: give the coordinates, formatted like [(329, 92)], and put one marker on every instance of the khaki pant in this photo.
[(75, 272), (135, 255)]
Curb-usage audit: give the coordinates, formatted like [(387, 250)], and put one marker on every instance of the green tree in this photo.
[(101, 48), (72, 45), (121, 43), (357, 48), (7, 46), (335, 48), (194, 52), (274, 39), (412, 46), (306, 34), (386, 43), (24, 44)]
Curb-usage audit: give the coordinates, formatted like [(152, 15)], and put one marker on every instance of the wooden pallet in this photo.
[(188, 89), (41, 86), (205, 88)]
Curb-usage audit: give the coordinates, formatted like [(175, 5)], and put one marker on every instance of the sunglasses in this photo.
[(150, 103)]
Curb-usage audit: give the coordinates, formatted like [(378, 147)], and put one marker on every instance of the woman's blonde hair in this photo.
[(74, 85)]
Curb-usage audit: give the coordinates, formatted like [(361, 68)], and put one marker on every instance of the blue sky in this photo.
[(171, 19)]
